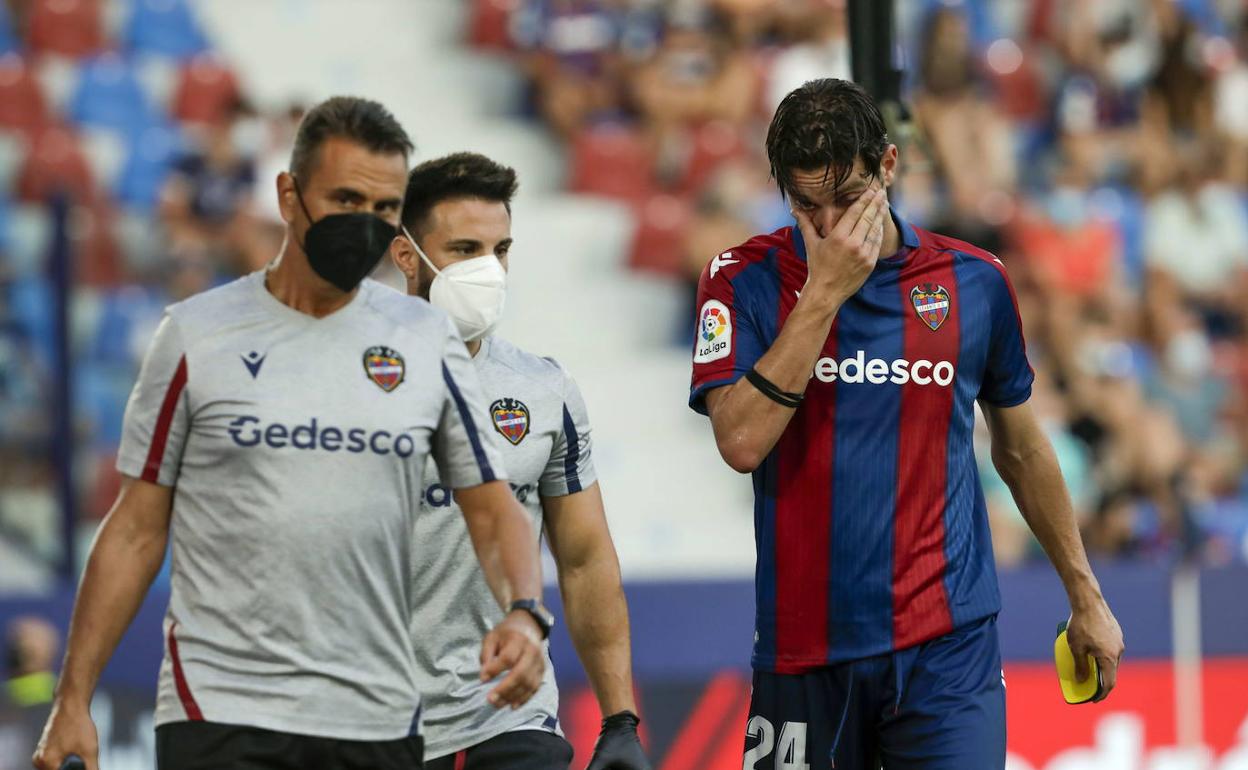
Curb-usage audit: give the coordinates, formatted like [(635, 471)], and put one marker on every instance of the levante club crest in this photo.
[(931, 302), (384, 366), (511, 418)]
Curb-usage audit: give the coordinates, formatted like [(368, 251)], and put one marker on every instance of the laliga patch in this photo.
[(384, 366), (511, 418), (931, 302), (714, 333)]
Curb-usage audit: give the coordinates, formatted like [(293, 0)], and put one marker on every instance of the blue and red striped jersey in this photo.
[(870, 523)]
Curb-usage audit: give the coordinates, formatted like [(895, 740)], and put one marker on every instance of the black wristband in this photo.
[(621, 719), (769, 389)]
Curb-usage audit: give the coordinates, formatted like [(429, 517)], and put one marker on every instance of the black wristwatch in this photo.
[(534, 607)]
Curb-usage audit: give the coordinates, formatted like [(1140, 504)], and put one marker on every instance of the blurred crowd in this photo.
[(1100, 147), (122, 111)]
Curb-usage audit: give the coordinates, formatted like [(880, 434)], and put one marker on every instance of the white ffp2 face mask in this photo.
[(473, 292)]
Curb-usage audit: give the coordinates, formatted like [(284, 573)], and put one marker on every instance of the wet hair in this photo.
[(461, 175), (362, 121), (825, 125)]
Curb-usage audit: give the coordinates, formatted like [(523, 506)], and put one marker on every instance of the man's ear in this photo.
[(404, 257), (888, 165), (287, 198)]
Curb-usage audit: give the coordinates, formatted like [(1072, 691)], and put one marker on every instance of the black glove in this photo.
[(618, 747)]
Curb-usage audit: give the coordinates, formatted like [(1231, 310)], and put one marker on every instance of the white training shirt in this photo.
[(297, 449)]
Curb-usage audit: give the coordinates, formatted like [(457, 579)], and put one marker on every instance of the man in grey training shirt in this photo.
[(281, 424), (453, 249)]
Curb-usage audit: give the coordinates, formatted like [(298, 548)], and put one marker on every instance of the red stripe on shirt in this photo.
[(160, 437), (179, 680), (920, 603), (803, 517)]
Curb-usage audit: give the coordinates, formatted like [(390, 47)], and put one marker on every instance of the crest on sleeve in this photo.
[(511, 418), (714, 332), (931, 302), (384, 366)]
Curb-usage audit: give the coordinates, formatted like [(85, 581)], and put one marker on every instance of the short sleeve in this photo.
[(1008, 376), (157, 419), (465, 453), (727, 340), (570, 467)]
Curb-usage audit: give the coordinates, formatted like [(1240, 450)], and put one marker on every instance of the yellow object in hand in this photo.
[(1074, 690)]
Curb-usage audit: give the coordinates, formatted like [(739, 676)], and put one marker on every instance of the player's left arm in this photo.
[(1022, 454), (594, 606), (593, 598)]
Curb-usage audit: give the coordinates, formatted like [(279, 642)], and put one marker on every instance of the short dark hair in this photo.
[(460, 175), (362, 121), (825, 125)]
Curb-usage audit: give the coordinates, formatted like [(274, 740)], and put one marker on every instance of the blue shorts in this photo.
[(937, 706)]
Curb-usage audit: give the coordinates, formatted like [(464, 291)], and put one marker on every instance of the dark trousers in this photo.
[(211, 746), (516, 750)]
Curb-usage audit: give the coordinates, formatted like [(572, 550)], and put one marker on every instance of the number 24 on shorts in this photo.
[(790, 749)]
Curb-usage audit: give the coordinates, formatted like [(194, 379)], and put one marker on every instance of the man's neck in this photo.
[(474, 347), (891, 243), (295, 285)]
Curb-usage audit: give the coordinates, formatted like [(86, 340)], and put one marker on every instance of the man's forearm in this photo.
[(122, 564), (1035, 479), (597, 618), (747, 423), (503, 540)]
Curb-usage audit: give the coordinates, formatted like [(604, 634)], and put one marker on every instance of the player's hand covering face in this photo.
[(514, 646)]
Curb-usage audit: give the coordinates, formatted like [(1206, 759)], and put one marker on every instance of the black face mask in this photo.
[(344, 248)]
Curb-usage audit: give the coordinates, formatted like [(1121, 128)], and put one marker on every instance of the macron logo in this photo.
[(723, 260), (253, 361)]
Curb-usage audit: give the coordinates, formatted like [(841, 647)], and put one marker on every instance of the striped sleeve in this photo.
[(570, 467), (463, 448), (157, 418), (1008, 376), (727, 342)]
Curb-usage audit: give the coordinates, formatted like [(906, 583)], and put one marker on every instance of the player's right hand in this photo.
[(515, 645), (840, 262), (69, 732)]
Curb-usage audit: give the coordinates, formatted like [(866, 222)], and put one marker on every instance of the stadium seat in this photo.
[(29, 233), (612, 161), (66, 27), (8, 41), (97, 258), (22, 104), (54, 163), (164, 28), (109, 95), (659, 241), (490, 24), (149, 157), (711, 145), (206, 91)]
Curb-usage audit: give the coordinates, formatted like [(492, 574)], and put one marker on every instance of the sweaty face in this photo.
[(346, 177), (815, 194), (460, 229)]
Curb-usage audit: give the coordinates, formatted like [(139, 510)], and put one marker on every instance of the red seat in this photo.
[(93, 237), (659, 242), (206, 92), (612, 161), (713, 144), (66, 27), (54, 163), (22, 106), (490, 23)]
